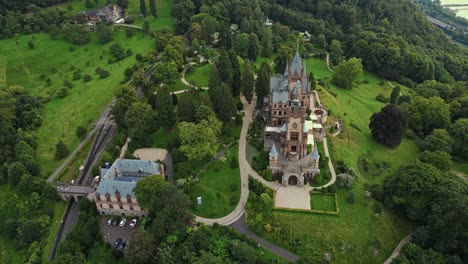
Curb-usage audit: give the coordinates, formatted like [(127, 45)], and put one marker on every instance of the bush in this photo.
[(62, 92), (239, 105), (382, 98), (345, 180), (102, 73), (81, 131), (86, 78), (76, 74), (31, 44), (351, 197), (129, 32), (331, 188), (61, 150), (67, 84), (234, 164)]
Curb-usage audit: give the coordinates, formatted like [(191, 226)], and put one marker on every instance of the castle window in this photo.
[(274, 112), (121, 207), (129, 199), (131, 207), (294, 136), (111, 206), (280, 112)]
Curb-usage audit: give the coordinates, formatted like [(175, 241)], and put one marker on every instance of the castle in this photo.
[(293, 124)]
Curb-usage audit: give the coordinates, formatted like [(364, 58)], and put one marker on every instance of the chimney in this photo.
[(116, 174)]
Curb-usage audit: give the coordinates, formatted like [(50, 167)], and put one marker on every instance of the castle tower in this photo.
[(273, 156)]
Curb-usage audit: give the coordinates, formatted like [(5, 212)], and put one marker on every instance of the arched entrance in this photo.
[(292, 180)]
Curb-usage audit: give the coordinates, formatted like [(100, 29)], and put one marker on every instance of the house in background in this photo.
[(114, 194), (108, 14)]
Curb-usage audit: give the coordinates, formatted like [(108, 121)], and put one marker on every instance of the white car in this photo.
[(133, 223), (122, 222)]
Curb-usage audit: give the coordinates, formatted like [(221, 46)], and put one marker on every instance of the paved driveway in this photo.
[(293, 197), (111, 233), (157, 154)]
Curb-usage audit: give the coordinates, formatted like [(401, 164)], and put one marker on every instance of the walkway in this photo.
[(396, 252), (184, 81)]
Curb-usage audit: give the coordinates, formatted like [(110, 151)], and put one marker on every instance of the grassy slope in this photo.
[(59, 210), (62, 116), (3, 68), (352, 235), (215, 188), (199, 76), (72, 170), (163, 14)]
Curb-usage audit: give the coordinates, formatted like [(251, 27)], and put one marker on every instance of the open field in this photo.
[(323, 202), (3, 68), (163, 14), (61, 116), (219, 188), (363, 230), (199, 76)]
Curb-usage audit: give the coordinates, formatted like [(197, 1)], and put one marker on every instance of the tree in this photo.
[(199, 140), (81, 131), (336, 52), (240, 45), (262, 85), (388, 126), (15, 172), (185, 107), (248, 82), (413, 254), (88, 4), (139, 119), (122, 3), (347, 72), (438, 140), (459, 130), (313, 82), (61, 150), (439, 159), (254, 47), (164, 107), (125, 97), (117, 51), (143, 10), (148, 189), (284, 56), (236, 73), (224, 68), (395, 95), (424, 115), (345, 180), (166, 72), (142, 249), (153, 9), (223, 103), (145, 25), (104, 33), (411, 188), (267, 47), (76, 33)]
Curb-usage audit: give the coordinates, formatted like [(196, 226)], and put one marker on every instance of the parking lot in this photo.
[(111, 233)]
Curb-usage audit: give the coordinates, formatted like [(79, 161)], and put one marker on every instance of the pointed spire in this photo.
[(273, 152), (286, 70)]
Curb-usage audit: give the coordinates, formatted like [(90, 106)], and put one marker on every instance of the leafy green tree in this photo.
[(166, 72), (117, 51), (173, 54), (185, 107), (142, 249), (262, 84), (104, 33), (424, 115), (351, 196), (153, 9), (240, 45), (139, 119), (125, 97), (438, 140), (395, 95), (439, 159), (336, 52), (236, 73), (164, 107), (122, 3), (81, 131), (254, 47), (199, 140), (202, 112), (388, 126), (76, 33), (347, 72), (143, 10), (284, 56), (413, 254), (248, 81), (15, 172), (459, 130), (313, 82), (267, 47), (61, 150)]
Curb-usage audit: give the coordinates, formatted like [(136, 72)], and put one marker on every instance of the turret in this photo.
[(273, 156)]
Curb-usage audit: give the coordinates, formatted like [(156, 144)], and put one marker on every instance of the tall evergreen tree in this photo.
[(224, 104), (254, 47), (336, 52), (262, 84), (224, 68), (395, 95), (186, 108), (248, 81), (143, 10), (153, 9), (313, 83), (236, 73), (165, 107)]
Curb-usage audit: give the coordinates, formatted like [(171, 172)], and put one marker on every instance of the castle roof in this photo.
[(273, 152), (296, 65), (315, 155)]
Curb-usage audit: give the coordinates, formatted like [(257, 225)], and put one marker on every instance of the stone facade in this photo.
[(291, 125)]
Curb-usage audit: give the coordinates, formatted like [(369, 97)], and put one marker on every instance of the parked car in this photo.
[(133, 223), (122, 222), (109, 222), (117, 242), (115, 222), (121, 246)]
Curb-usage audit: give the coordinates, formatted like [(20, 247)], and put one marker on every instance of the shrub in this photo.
[(351, 197), (382, 98), (129, 32), (76, 74), (81, 131), (345, 180), (234, 164), (31, 44), (61, 150), (86, 78), (62, 92), (331, 189), (67, 84), (239, 105), (102, 73)]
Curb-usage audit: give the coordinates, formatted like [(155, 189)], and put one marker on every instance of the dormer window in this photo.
[(129, 198), (108, 197)]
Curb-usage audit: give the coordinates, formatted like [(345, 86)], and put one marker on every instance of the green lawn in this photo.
[(357, 233), (199, 76), (59, 210), (261, 60), (461, 167), (250, 152), (161, 138), (178, 85), (3, 68), (85, 101), (232, 132), (324, 202), (163, 14), (219, 189)]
